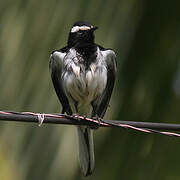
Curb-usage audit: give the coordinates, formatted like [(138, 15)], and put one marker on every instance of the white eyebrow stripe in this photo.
[(84, 28), (77, 28)]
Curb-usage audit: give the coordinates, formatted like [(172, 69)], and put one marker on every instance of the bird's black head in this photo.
[(81, 34)]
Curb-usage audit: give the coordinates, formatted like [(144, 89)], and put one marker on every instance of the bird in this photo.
[(83, 75)]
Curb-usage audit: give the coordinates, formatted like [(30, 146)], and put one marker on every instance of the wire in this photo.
[(145, 127)]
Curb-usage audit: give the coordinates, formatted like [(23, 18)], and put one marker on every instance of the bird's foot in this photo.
[(99, 122), (76, 117), (79, 118)]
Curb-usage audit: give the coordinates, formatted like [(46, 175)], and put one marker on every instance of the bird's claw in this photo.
[(99, 122), (76, 116), (98, 119)]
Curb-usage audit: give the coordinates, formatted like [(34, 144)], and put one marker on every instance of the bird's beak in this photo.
[(93, 28)]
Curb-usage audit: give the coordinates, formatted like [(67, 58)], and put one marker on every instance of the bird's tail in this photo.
[(86, 150)]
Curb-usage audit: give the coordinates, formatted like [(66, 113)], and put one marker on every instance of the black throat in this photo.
[(87, 51), (85, 47)]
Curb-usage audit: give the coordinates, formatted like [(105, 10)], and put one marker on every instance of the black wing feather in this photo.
[(101, 108), (56, 71)]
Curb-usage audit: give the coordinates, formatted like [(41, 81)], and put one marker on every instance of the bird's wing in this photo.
[(103, 102), (55, 66)]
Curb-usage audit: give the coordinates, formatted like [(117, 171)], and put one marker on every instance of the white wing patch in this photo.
[(58, 55), (56, 60), (109, 57)]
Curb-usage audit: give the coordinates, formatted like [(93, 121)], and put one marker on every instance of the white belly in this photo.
[(84, 87)]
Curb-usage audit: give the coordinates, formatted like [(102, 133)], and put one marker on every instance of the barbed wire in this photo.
[(40, 118)]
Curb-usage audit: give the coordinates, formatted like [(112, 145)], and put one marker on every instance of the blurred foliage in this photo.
[(145, 36)]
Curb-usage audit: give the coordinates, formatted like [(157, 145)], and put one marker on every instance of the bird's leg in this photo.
[(94, 118), (76, 116), (84, 117), (99, 122), (79, 117)]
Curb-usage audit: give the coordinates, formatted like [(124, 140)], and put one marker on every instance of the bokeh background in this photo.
[(146, 38)]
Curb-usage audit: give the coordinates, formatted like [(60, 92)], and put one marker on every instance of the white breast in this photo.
[(85, 86)]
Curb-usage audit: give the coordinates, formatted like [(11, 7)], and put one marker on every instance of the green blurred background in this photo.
[(146, 38)]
